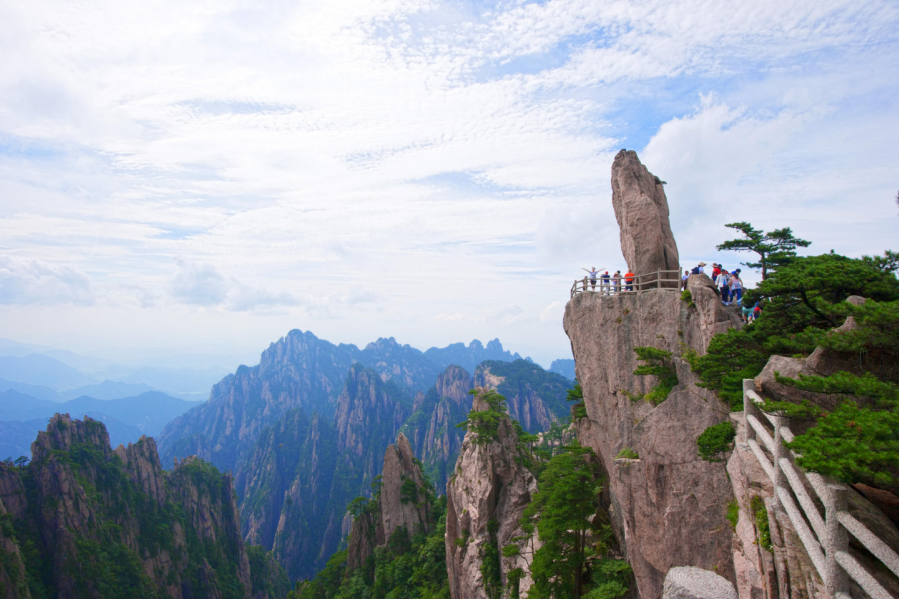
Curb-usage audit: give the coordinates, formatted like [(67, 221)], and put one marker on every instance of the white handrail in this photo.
[(660, 279), (826, 540)]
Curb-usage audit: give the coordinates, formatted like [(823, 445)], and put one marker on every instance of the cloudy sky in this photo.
[(209, 175)]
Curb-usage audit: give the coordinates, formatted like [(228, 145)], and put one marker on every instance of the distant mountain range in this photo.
[(564, 367), (126, 419), (305, 429)]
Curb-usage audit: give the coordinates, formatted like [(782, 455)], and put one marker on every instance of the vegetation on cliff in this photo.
[(803, 307)]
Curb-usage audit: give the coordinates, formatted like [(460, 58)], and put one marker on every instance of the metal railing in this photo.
[(825, 537), (660, 279)]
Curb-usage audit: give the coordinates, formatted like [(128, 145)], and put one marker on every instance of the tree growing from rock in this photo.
[(774, 249)]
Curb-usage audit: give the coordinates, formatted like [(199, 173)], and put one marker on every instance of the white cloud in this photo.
[(31, 281), (199, 284)]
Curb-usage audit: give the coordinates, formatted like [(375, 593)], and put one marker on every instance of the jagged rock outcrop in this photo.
[(668, 506), (401, 505), (302, 472), (95, 519), (486, 497), (535, 397), (298, 371), (13, 583), (641, 209), (431, 428)]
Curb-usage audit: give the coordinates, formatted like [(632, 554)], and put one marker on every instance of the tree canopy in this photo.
[(774, 249)]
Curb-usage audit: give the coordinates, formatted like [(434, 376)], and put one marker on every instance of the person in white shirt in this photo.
[(722, 283), (736, 287)]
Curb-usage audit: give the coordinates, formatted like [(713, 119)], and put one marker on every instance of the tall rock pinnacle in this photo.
[(641, 209)]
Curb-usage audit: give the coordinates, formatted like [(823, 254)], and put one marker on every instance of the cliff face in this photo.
[(668, 506), (94, 519), (485, 500), (303, 471), (298, 371), (400, 505), (432, 426), (535, 397), (641, 209)]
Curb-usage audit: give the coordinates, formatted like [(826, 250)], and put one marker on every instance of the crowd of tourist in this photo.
[(728, 284)]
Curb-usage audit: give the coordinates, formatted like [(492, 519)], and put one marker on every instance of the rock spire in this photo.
[(641, 209)]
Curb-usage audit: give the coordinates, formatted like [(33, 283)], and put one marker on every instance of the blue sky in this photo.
[(200, 176)]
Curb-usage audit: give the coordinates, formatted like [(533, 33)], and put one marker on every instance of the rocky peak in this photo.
[(403, 485), (402, 503), (141, 461), (641, 209), (486, 497), (454, 383), (63, 433), (366, 406)]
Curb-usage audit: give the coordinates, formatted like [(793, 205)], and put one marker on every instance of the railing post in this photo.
[(780, 452), (836, 500), (748, 409)]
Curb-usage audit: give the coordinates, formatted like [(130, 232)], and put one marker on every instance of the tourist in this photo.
[(685, 277), (604, 287), (616, 281), (716, 271), (736, 287), (756, 312), (592, 274), (698, 269), (721, 282), (629, 279), (746, 309)]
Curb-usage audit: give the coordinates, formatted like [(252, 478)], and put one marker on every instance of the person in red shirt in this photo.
[(629, 280), (716, 271)]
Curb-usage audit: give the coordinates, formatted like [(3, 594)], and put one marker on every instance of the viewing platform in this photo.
[(660, 279)]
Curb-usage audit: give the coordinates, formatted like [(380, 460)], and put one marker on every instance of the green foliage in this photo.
[(404, 569), (760, 515), (802, 301), (657, 362), (562, 511), (485, 423), (733, 513), (627, 453), (267, 575), (716, 440), (774, 249), (522, 377), (409, 491), (576, 394), (491, 571), (687, 297)]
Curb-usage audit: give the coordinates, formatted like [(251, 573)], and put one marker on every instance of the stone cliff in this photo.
[(303, 471), (535, 397), (93, 519), (641, 209), (431, 428), (401, 504), (486, 497), (668, 506)]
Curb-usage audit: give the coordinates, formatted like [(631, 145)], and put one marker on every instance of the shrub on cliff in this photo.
[(485, 423), (657, 362)]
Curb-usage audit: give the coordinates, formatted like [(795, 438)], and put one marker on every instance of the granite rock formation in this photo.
[(485, 500), (303, 471), (668, 506), (535, 397), (687, 582), (399, 506), (641, 209), (431, 428), (93, 518)]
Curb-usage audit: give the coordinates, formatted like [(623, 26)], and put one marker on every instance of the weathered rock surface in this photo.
[(302, 472), (535, 397), (432, 428), (13, 583), (668, 506), (400, 505), (695, 583), (78, 495), (489, 484), (641, 209)]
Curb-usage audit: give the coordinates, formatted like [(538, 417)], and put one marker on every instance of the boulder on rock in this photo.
[(641, 209), (695, 583)]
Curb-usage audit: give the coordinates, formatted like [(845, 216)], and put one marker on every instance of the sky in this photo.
[(206, 176)]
